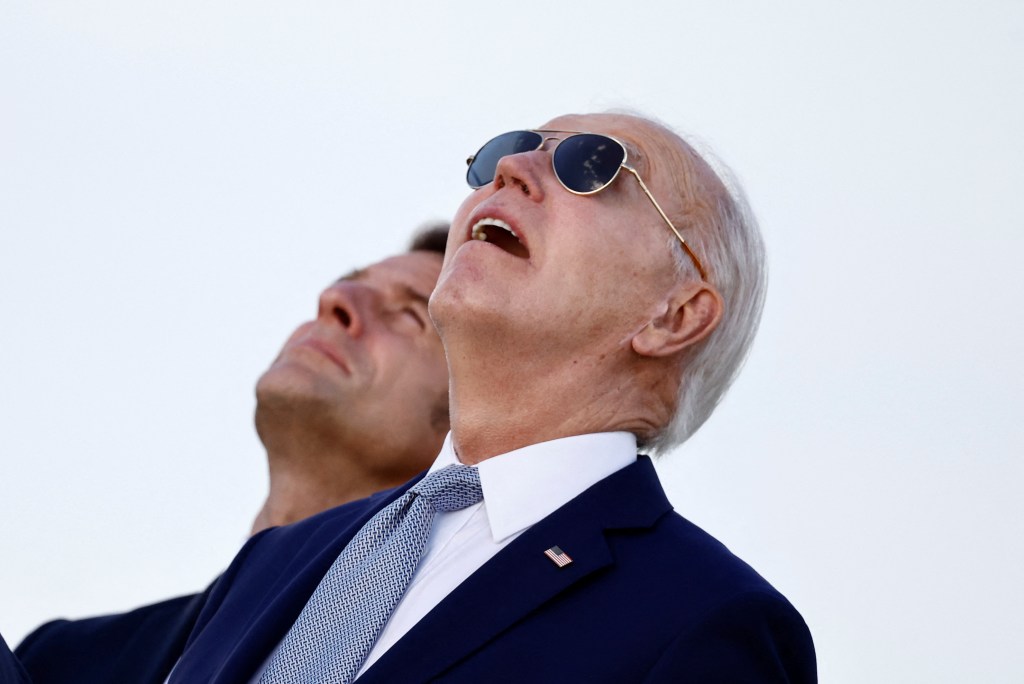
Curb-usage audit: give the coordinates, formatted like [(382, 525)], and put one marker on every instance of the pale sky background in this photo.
[(179, 180)]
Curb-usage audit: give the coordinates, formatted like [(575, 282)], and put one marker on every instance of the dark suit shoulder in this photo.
[(11, 671), (754, 636), (728, 623), (704, 558), (140, 645)]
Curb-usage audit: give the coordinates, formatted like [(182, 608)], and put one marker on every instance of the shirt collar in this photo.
[(524, 486)]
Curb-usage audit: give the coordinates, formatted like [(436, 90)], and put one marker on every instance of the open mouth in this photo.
[(501, 235)]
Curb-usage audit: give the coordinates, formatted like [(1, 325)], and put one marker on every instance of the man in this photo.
[(607, 301), (356, 402), (370, 360)]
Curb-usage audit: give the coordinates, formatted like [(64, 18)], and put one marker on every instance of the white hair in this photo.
[(724, 234)]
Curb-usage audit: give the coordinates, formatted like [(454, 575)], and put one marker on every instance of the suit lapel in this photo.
[(523, 577)]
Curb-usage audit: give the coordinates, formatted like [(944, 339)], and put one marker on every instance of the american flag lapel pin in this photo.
[(558, 556)]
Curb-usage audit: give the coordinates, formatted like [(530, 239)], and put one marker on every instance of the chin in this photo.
[(289, 382), (448, 299)]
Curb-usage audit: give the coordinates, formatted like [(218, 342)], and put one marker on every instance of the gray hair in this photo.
[(722, 230)]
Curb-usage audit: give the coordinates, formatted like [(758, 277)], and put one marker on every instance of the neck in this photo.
[(312, 470), (297, 492), (497, 410)]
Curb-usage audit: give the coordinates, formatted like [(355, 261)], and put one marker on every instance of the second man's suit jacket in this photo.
[(649, 597), (139, 646), (11, 671)]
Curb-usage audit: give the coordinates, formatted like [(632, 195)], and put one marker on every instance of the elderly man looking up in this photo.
[(599, 293)]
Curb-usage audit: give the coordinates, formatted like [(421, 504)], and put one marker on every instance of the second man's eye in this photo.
[(415, 315)]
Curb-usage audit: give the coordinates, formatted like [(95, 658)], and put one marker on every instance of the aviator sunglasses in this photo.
[(584, 163)]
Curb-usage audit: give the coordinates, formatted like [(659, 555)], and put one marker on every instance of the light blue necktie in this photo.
[(343, 618)]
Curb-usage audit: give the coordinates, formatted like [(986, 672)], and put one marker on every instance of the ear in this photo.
[(691, 312)]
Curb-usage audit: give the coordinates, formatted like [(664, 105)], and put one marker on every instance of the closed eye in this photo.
[(416, 316)]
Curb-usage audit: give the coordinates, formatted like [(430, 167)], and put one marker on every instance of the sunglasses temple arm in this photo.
[(686, 247)]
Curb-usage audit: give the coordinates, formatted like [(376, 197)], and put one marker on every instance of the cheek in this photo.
[(415, 371), (613, 284)]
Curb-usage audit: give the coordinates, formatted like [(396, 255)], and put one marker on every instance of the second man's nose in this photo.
[(346, 303)]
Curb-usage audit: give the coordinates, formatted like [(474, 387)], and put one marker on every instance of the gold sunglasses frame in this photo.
[(622, 165)]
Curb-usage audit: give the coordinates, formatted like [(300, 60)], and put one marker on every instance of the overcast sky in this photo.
[(179, 180)]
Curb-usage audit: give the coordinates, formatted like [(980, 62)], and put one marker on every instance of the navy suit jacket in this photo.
[(649, 597), (11, 671), (139, 646)]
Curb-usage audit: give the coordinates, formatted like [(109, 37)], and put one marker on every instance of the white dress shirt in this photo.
[(520, 488)]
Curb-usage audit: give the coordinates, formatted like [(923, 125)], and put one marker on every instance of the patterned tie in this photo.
[(343, 618)]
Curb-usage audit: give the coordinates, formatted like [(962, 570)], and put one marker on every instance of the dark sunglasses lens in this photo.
[(587, 162), (485, 162)]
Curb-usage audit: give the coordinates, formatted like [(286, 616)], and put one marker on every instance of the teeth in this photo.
[(478, 228)]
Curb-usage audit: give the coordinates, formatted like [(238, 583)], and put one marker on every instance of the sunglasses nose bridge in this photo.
[(549, 139)]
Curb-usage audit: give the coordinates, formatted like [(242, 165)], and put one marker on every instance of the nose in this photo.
[(523, 171), (347, 303)]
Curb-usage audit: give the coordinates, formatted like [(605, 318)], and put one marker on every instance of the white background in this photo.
[(179, 180)]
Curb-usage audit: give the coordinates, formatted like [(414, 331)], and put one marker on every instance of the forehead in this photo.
[(417, 271), (640, 136)]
